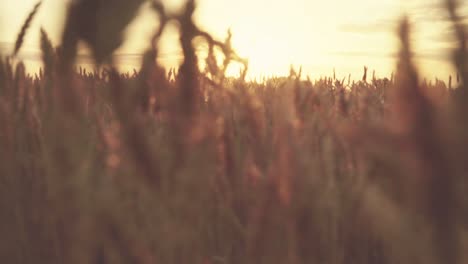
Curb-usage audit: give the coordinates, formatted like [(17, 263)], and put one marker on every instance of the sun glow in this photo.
[(274, 34), (265, 55)]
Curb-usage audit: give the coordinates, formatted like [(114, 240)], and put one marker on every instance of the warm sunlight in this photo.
[(180, 131), (317, 35)]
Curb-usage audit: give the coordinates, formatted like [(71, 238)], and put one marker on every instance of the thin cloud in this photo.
[(367, 54), (446, 37), (434, 55), (5, 46), (380, 26), (435, 16), (83, 57), (434, 12)]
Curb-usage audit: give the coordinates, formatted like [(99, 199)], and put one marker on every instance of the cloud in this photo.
[(5, 46), (434, 18), (83, 57), (367, 54), (440, 54), (380, 26), (444, 37), (431, 12), (424, 12)]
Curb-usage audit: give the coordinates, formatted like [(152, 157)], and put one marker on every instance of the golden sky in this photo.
[(273, 34)]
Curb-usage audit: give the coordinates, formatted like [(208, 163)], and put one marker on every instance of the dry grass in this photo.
[(194, 167)]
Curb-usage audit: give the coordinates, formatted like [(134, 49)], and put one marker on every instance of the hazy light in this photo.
[(273, 34)]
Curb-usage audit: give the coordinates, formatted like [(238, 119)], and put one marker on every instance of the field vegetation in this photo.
[(191, 166)]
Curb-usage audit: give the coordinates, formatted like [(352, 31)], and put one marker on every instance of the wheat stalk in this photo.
[(27, 23)]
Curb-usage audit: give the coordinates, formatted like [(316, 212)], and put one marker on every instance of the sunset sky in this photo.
[(273, 34)]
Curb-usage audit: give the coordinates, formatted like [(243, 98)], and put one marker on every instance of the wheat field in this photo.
[(193, 166)]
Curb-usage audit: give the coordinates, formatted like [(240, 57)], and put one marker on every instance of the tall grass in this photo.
[(191, 166)]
